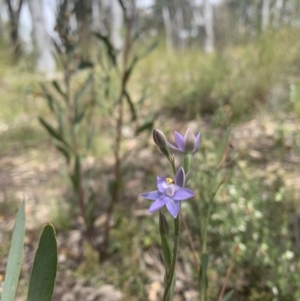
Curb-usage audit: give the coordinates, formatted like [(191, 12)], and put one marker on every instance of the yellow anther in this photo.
[(169, 180)]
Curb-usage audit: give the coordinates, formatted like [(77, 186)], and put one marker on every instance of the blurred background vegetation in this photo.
[(217, 65)]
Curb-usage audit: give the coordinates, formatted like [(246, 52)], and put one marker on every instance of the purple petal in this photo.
[(183, 194), (180, 177), (174, 148), (159, 203), (161, 184), (173, 208), (179, 141), (197, 143), (152, 195)]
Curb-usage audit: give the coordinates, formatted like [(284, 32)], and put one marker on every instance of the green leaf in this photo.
[(166, 242), (130, 68), (148, 123), (53, 132), (75, 177), (85, 64), (170, 296), (109, 47), (65, 153), (131, 106), (145, 126), (79, 117), (50, 99), (228, 296), (203, 269), (44, 267), (14, 257), (58, 88)]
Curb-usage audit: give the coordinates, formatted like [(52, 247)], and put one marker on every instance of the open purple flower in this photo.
[(187, 143), (169, 193)]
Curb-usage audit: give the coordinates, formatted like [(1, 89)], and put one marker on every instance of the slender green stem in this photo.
[(204, 239), (173, 167), (171, 273)]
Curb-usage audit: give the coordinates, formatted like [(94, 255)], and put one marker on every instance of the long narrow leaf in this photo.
[(165, 241), (203, 270), (79, 116), (75, 176), (228, 296), (129, 70), (109, 48), (147, 124), (58, 88), (15, 257), (65, 153), (53, 132), (50, 99), (50, 129), (44, 267), (85, 64), (131, 106)]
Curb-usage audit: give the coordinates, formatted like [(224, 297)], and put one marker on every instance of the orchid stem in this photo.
[(173, 166), (171, 273)]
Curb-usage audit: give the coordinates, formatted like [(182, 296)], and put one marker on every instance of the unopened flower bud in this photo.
[(159, 138), (161, 141), (188, 143)]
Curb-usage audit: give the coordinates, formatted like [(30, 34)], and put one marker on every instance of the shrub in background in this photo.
[(235, 81), (74, 112)]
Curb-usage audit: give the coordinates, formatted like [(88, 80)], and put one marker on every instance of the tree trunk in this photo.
[(96, 16), (1, 21), (42, 44), (277, 13), (197, 19), (117, 20), (83, 12), (209, 43), (168, 27), (14, 16), (265, 14), (180, 25)]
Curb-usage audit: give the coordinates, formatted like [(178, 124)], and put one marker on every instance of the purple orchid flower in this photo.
[(169, 193), (185, 144)]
